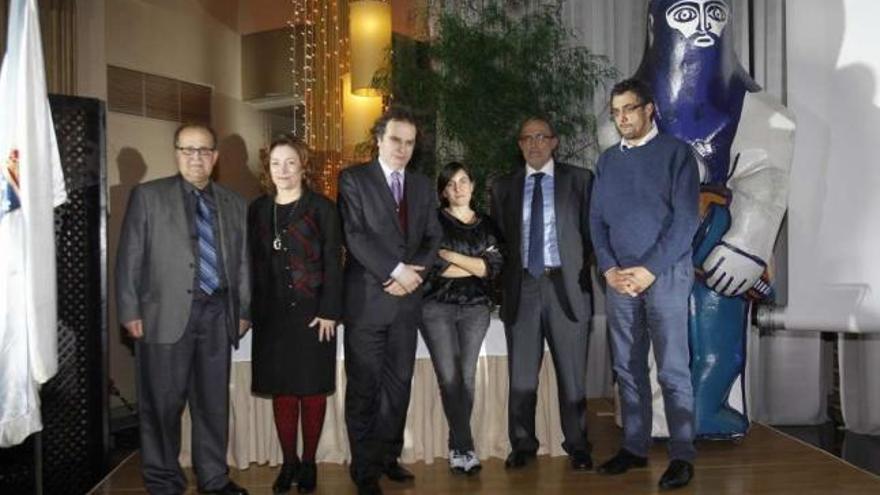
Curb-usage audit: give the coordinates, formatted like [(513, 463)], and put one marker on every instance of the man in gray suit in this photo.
[(542, 212), (183, 294)]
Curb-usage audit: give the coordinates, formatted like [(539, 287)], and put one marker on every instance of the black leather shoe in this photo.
[(308, 477), (398, 473), (622, 462), (229, 488), (677, 475), (369, 488), (286, 478), (518, 459), (580, 461)]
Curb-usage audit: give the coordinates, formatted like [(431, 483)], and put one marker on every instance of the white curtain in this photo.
[(833, 66)]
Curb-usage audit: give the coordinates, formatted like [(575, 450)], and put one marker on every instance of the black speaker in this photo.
[(73, 446)]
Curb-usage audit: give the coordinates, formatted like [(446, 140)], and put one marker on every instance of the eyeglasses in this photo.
[(190, 151), (535, 138), (626, 110)]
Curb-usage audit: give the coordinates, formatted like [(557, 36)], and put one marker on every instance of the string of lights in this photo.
[(317, 32), (321, 55)]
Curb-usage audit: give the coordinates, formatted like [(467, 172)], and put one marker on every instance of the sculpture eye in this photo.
[(716, 13), (685, 13)]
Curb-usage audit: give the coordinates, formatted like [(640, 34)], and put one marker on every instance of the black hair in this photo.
[(446, 173), (638, 87)]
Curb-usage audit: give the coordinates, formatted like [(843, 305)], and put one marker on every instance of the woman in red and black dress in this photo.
[(295, 247)]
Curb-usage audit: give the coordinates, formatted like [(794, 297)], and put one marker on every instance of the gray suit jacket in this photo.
[(155, 262), (571, 201)]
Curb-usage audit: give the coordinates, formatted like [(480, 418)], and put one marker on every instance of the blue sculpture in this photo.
[(743, 142)]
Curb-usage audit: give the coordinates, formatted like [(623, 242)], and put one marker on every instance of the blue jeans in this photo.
[(454, 334), (657, 316)]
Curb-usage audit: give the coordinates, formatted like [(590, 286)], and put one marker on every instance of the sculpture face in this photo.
[(700, 20), (696, 76)]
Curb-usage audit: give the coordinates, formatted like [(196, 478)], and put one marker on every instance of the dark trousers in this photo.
[(379, 363), (454, 334), (193, 370), (541, 316), (657, 316)]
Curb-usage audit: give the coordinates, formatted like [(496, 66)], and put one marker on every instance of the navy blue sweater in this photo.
[(645, 205)]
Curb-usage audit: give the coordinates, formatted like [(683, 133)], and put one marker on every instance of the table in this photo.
[(252, 437)]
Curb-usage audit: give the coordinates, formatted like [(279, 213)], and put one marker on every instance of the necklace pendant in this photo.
[(276, 243)]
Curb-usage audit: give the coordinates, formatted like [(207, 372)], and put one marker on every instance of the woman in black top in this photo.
[(295, 247), (455, 314)]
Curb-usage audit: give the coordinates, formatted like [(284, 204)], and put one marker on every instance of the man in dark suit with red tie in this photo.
[(542, 212), (391, 234)]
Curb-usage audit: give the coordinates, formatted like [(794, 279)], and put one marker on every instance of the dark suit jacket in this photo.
[(155, 262), (572, 199), (376, 242)]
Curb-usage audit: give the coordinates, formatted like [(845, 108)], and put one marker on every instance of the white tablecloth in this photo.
[(493, 345), (252, 436)]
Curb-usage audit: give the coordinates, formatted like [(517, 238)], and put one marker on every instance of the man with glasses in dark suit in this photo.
[(542, 212), (183, 294)]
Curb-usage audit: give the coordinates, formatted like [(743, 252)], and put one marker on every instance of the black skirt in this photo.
[(287, 358)]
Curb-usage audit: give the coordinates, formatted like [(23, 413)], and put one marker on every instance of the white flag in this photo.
[(31, 185)]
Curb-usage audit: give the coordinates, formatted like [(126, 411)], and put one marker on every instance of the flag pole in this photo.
[(38, 463)]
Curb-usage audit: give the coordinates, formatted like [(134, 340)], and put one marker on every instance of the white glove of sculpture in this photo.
[(731, 273)]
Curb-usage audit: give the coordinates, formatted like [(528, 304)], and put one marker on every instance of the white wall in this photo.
[(833, 71), (192, 40)]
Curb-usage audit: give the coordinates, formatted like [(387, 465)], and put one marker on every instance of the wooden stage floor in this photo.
[(766, 462)]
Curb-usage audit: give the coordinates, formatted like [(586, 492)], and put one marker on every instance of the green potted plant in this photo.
[(483, 74)]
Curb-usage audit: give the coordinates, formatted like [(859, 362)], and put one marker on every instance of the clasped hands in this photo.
[(630, 281), (406, 282)]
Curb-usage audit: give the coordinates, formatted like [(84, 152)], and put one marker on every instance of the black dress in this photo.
[(290, 287)]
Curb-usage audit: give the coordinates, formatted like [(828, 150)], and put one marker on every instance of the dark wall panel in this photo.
[(74, 403)]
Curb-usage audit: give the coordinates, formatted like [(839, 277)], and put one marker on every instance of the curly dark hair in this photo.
[(399, 113)]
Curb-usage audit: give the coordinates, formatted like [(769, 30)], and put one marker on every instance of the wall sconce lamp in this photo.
[(370, 38)]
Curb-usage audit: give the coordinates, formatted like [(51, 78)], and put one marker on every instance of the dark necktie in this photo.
[(536, 229), (209, 280)]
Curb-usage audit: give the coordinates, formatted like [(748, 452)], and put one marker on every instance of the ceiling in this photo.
[(252, 16)]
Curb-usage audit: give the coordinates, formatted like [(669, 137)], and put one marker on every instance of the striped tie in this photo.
[(209, 280)]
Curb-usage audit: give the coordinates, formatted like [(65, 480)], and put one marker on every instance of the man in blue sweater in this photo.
[(643, 216)]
